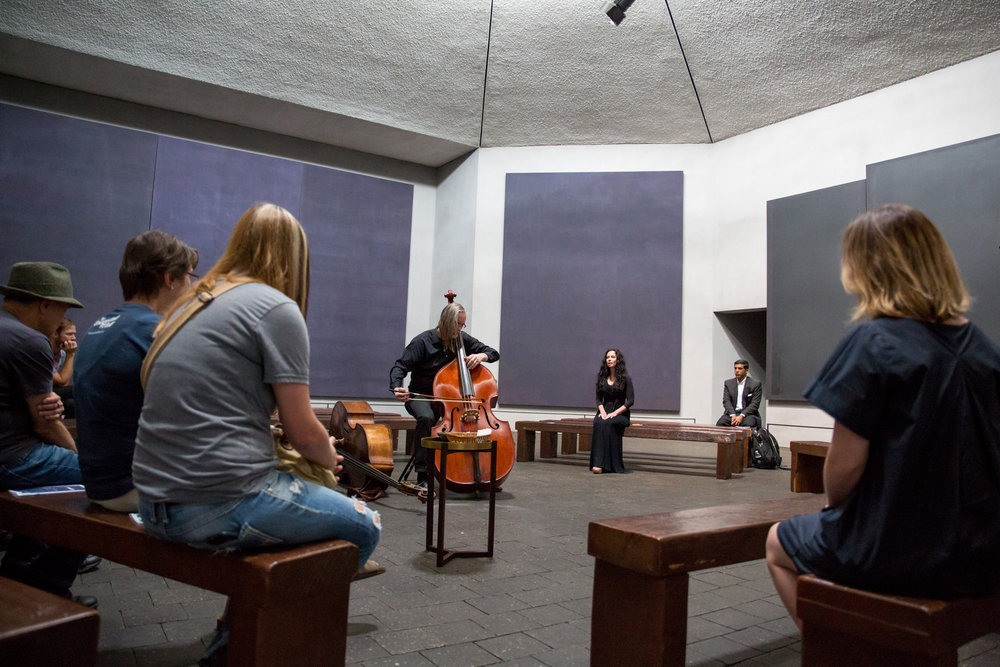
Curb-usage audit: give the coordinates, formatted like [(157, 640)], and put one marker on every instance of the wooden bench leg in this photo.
[(525, 445), (547, 447), (569, 443), (298, 616), (807, 473), (411, 435), (637, 619), (394, 437), (724, 460), (584, 443)]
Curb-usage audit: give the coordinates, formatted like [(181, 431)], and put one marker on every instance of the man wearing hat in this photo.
[(35, 450)]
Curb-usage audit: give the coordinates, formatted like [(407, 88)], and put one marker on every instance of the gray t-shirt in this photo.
[(204, 433)]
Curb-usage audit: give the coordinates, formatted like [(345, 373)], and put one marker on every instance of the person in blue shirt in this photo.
[(156, 269)]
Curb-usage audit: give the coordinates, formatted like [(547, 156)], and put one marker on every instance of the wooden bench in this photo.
[(286, 607), (847, 626), (730, 442), (641, 572), (808, 457), (41, 629)]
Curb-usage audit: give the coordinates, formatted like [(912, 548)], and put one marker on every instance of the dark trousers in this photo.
[(37, 564), (751, 421), (427, 415)]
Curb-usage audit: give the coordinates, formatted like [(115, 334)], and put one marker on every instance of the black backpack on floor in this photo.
[(764, 452)]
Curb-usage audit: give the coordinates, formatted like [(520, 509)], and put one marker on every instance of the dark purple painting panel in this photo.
[(73, 192), (202, 190), (591, 261), (359, 246)]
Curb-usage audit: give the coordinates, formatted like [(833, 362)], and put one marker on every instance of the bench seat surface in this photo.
[(676, 542)]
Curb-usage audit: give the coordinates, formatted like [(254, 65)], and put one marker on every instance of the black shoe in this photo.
[(85, 600), (89, 564), (422, 479)]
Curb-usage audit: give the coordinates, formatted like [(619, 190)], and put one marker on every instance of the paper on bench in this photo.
[(43, 490)]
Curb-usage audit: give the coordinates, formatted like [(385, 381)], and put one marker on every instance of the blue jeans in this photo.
[(288, 510), (27, 560), (42, 465)]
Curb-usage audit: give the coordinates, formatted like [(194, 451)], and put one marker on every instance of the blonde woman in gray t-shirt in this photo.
[(204, 463)]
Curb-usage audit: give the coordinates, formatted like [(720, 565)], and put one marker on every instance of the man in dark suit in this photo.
[(741, 398)]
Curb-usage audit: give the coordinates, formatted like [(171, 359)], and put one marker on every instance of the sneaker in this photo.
[(89, 564), (369, 569), (85, 600)]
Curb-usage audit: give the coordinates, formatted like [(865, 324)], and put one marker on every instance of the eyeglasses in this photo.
[(193, 276)]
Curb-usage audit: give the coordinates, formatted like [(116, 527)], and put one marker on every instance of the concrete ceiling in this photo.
[(427, 82)]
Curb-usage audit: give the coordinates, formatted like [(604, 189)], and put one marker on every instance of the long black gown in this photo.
[(606, 441)]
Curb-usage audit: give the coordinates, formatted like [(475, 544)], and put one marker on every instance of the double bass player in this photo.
[(422, 358)]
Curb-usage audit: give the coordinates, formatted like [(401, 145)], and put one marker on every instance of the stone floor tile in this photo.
[(405, 660), (582, 606), (699, 628), (544, 596), (699, 586), (739, 594), (782, 657), (205, 608), (142, 635), (765, 586), (752, 571), (760, 638), (783, 626), (148, 613), (569, 656), (497, 603), (990, 658), (561, 636), (724, 650), (364, 649), (550, 614), (694, 659), (417, 617), (762, 609), (460, 654), (176, 594), (527, 661), (505, 623), (977, 646), (460, 632), (177, 655), (408, 641), (517, 645), (731, 618), (702, 603), (716, 578), (184, 631)]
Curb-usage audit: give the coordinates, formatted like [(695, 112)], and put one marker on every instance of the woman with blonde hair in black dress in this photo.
[(912, 475), (614, 399)]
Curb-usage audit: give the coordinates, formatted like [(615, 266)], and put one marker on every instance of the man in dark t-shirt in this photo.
[(422, 359), (34, 451)]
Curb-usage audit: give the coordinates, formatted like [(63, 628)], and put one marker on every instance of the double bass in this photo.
[(468, 398), (367, 451)]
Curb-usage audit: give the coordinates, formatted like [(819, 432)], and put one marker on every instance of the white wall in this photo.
[(726, 188)]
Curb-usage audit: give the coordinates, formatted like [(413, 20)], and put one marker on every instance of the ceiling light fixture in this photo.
[(615, 9)]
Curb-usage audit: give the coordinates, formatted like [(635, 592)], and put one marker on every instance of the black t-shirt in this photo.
[(426, 355), (924, 518)]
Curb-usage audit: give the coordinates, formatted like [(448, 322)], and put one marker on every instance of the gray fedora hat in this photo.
[(43, 280)]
